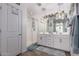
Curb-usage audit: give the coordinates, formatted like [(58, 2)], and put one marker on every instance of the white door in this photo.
[(13, 30)]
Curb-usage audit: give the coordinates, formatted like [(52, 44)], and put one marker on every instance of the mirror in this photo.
[(57, 25)]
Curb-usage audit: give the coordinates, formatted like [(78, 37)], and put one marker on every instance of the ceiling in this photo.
[(36, 9)]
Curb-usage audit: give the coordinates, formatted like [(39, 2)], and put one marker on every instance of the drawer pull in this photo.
[(60, 40), (40, 37)]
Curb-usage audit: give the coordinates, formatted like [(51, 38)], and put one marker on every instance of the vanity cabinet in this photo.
[(62, 42), (65, 43), (44, 39), (55, 41)]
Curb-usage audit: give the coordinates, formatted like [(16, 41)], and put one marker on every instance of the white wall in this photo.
[(50, 8), (26, 30), (35, 33), (42, 25), (31, 35), (28, 34)]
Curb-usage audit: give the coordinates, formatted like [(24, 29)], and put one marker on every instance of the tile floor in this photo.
[(44, 51)]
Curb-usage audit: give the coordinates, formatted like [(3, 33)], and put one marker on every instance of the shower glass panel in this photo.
[(75, 34)]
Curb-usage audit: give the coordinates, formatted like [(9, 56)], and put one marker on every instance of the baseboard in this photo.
[(52, 47)]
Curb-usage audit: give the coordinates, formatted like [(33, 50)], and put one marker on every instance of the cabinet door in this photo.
[(65, 43), (56, 42), (44, 39), (40, 40), (52, 41), (49, 40)]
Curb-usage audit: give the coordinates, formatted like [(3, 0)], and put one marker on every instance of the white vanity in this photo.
[(61, 42), (57, 35)]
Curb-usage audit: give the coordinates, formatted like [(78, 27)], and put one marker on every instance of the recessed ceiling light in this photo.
[(43, 9), (18, 3), (60, 4), (39, 4)]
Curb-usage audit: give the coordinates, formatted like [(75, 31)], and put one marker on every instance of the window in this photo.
[(59, 27)]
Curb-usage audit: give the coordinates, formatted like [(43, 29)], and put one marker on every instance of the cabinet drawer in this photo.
[(57, 44), (56, 38)]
